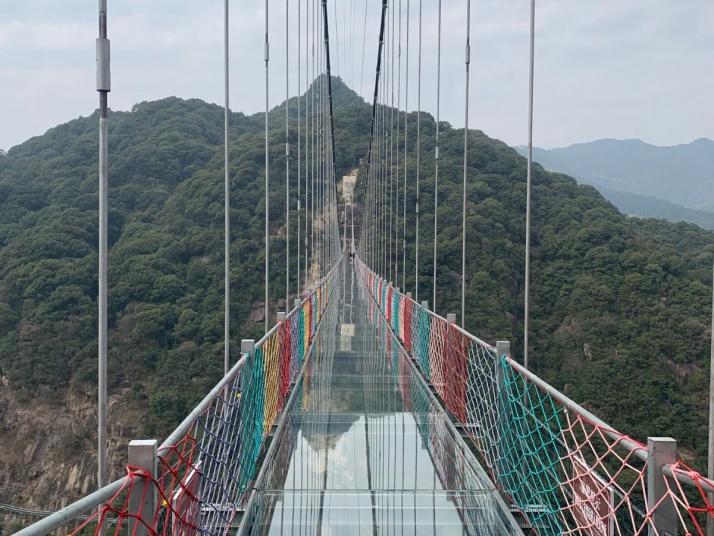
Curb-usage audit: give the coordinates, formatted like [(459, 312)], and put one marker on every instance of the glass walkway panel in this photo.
[(365, 449)]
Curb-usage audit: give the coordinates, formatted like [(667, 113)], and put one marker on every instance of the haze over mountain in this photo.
[(675, 182), (620, 313)]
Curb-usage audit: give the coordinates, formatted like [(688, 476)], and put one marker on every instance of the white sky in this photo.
[(605, 68)]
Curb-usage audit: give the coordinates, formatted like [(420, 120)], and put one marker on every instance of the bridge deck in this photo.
[(358, 456)]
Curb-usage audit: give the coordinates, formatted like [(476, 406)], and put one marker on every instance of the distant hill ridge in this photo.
[(680, 177)]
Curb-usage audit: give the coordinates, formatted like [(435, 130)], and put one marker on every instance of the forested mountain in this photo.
[(620, 306), (646, 180)]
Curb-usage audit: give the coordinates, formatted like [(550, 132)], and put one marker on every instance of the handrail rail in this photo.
[(74, 510), (183, 428)]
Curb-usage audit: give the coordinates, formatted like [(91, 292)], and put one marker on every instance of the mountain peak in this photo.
[(342, 95)]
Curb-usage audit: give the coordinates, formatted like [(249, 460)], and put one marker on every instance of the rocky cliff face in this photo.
[(48, 455)]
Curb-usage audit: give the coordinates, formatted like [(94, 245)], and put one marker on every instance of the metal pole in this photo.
[(399, 122), (103, 87), (226, 199), (436, 152), (299, 146), (406, 140), (267, 169), (392, 275), (526, 312), (710, 460), (287, 155), (418, 165), (466, 154)]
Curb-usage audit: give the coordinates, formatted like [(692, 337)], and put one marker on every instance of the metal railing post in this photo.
[(281, 316), (661, 451), (503, 348), (425, 305), (450, 318), (409, 295), (142, 453), (247, 346), (297, 302)]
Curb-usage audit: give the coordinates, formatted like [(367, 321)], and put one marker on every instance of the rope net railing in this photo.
[(205, 470), (454, 464), (563, 468), (311, 391)]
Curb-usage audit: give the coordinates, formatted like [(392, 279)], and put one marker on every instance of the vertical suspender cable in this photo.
[(418, 165), (267, 171), (227, 206), (466, 157), (380, 175), (392, 275), (529, 180), (307, 139), (313, 145), (103, 87), (710, 455), (364, 40), (436, 153), (399, 123), (287, 155), (406, 141), (299, 146), (321, 182)]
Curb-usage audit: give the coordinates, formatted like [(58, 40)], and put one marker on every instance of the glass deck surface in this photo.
[(365, 450)]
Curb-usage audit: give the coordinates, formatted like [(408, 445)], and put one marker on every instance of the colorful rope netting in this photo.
[(205, 476), (565, 470)]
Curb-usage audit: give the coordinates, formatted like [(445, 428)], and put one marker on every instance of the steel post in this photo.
[(661, 451), (142, 453)]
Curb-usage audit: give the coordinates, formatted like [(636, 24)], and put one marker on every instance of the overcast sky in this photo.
[(605, 68)]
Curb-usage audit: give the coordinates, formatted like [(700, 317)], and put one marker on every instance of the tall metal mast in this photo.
[(103, 87), (529, 180), (267, 175), (227, 207)]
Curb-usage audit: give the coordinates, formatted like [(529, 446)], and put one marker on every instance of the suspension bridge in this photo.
[(362, 410)]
